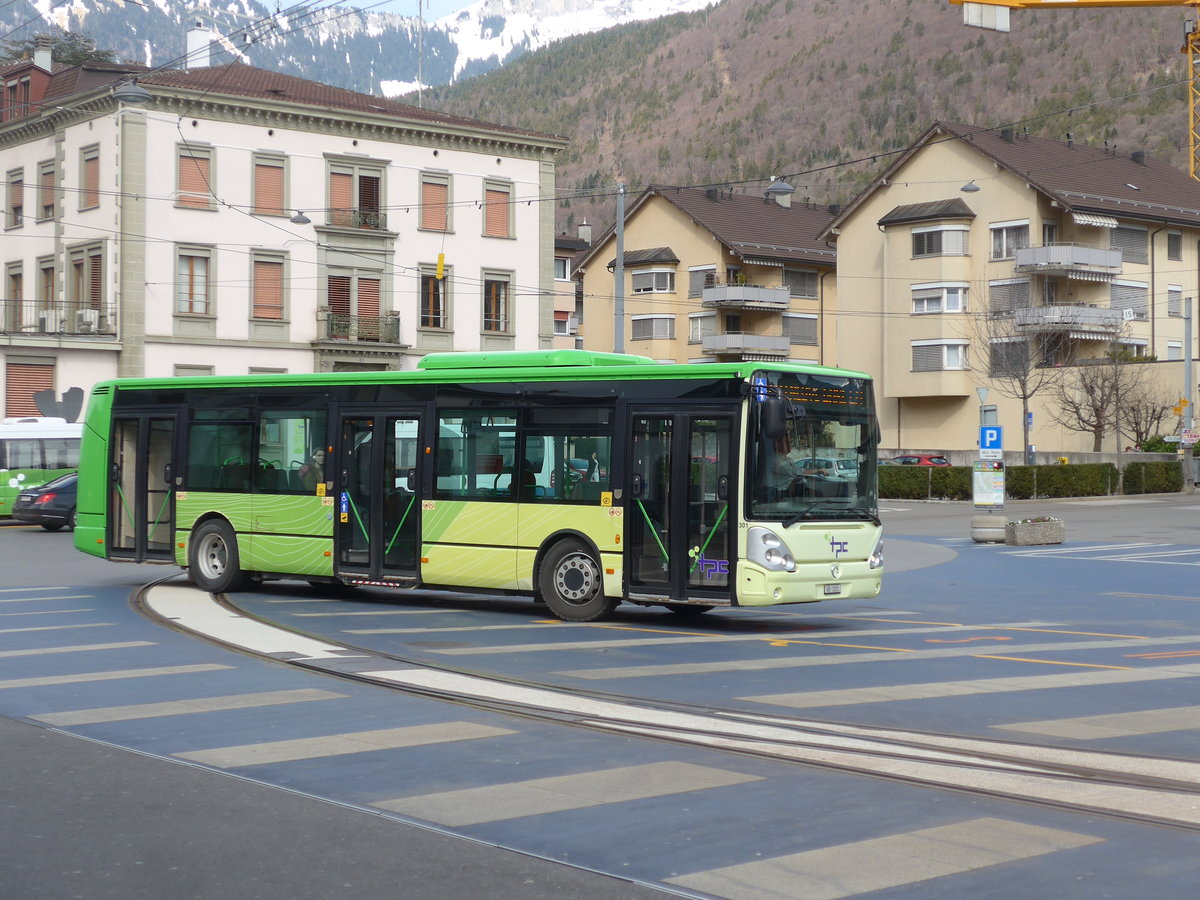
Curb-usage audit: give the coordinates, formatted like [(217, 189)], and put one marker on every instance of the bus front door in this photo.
[(141, 489), (377, 514), (681, 486)]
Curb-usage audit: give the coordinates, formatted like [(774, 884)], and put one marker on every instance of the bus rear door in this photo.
[(143, 476), (377, 511), (681, 511)]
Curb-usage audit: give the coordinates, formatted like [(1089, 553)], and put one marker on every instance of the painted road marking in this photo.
[(380, 612), (84, 677), (56, 627), (46, 612), (183, 707), (341, 744), (18, 590), (1090, 728), (45, 599), (935, 689), (495, 803), (78, 648), (887, 862)]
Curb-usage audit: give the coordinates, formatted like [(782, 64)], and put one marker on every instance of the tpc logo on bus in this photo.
[(838, 547)]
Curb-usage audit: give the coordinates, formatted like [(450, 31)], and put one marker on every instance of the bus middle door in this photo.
[(377, 512)]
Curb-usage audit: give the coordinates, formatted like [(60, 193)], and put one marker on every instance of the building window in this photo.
[(14, 202), (191, 287), (1049, 234), (1174, 300), (89, 189), (46, 286), (1174, 246), (799, 328), (270, 185), (700, 326), (1007, 295), (1174, 350), (1008, 237), (939, 298), (195, 177), (1049, 292), (1008, 358), (434, 311), (1131, 242), (700, 278), (936, 356), (653, 328), (22, 382), (1131, 295), (46, 199), (801, 283), (435, 202), (562, 268), (940, 240), (181, 371), (654, 281), (354, 306), (12, 312), (267, 289), (497, 209), (562, 323), (495, 303), (86, 288), (355, 195)]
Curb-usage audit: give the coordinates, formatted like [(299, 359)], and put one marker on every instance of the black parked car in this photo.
[(51, 505)]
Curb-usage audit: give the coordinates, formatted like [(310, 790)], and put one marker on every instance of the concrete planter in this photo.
[(988, 529), (1028, 534)]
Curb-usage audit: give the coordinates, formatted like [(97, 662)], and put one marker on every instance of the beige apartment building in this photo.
[(978, 249), (714, 276)]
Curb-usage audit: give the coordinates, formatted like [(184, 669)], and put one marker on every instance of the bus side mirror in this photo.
[(774, 417), (638, 484), (723, 487)]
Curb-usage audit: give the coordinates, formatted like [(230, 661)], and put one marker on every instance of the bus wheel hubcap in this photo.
[(576, 579), (212, 557)]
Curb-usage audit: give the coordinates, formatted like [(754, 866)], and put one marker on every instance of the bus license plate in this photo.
[(832, 589)]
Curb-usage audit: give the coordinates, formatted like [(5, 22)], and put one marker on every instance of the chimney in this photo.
[(1006, 134), (198, 53), (835, 209), (585, 232), (1070, 139), (1139, 157), (711, 194), (781, 192), (41, 52)]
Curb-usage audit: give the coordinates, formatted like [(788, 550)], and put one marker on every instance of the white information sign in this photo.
[(987, 483)]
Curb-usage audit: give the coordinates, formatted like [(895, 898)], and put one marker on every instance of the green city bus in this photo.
[(34, 450), (585, 479)]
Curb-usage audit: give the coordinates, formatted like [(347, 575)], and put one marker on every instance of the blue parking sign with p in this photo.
[(991, 437)]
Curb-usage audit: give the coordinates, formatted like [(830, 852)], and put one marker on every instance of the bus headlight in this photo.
[(766, 548), (875, 560)]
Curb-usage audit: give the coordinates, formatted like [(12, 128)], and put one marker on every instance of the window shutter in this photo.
[(1130, 296), (339, 295), (268, 289), (927, 358), (268, 189), (699, 279), (341, 198), (1174, 301), (193, 182), (1131, 242), (91, 181), (46, 193), (1009, 296), (434, 197), (16, 195), (95, 281), (21, 382), (368, 309), (496, 213)]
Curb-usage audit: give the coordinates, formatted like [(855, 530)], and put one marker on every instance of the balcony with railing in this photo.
[(36, 318), (745, 296), (1078, 262), (1081, 321), (747, 346), (359, 329), (367, 219)]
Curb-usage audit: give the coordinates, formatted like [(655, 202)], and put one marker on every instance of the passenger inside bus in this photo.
[(312, 472)]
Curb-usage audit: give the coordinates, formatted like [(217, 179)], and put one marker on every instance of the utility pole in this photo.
[(619, 275), (1189, 396)]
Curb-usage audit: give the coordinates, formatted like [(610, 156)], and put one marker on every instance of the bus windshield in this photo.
[(812, 448)]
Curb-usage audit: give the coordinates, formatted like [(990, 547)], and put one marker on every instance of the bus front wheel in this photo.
[(213, 561), (572, 584)]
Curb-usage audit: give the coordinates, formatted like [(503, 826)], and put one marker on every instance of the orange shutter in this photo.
[(96, 281), (21, 382), (341, 198), (91, 181), (268, 289), (339, 295), (193, 182), (16, 195), (46, 194), (496, 213), (268, 189), (368, 309), (433, 205)]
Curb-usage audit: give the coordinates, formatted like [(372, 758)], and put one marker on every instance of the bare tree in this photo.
[(1145, 410), (1114, 394)]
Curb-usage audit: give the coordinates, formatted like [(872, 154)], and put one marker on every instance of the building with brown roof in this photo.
[(995, 259), (230, 219), (712, 275)]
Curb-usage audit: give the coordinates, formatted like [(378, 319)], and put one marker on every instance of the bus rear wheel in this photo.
[(572, 584), (213, 561)]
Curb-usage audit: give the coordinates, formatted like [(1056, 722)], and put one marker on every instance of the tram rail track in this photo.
[(1146, 790)]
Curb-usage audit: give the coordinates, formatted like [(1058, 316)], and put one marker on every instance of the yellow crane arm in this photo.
[(993, 15)]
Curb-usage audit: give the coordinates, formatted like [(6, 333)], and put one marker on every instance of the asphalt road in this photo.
[(1075, 655)]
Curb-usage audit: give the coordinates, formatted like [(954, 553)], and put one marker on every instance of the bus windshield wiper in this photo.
[(800, 514)]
